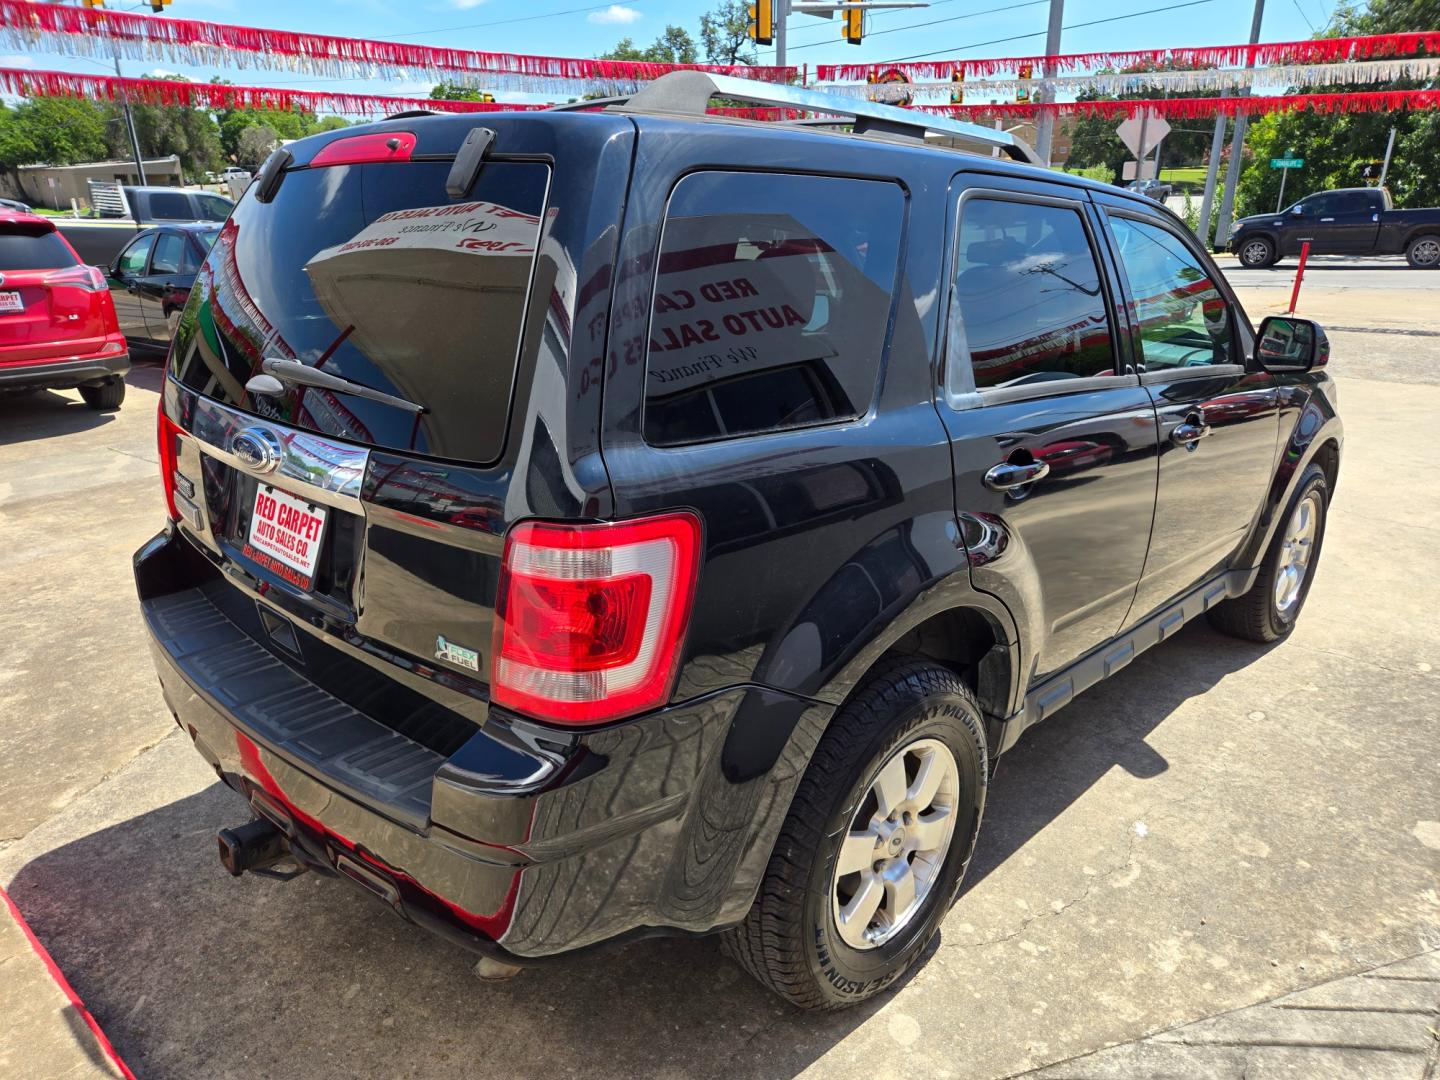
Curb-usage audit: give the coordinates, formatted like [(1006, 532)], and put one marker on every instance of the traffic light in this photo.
[(854, 25), (957, 88), (487, 98), (92, 3), (762, 22), (159, 5), (1026, 72)]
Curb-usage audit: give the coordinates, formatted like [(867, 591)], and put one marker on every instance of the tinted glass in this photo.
[(1351, 202), (1031, 304), (1184, 320), (170, 206), (771, 301), (372, 273), (169, 253), (213, 208), (132, 262), (33, 251)]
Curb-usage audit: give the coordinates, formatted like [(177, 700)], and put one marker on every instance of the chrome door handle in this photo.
[(1187, 433), (1327, 219), (1008, 476)]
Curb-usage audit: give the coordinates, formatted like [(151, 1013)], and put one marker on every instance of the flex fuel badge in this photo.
[(456, 654)]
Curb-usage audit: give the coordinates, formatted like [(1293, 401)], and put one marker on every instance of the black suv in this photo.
[(593, 525)]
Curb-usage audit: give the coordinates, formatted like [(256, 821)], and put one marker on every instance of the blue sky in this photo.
[(970, 28)]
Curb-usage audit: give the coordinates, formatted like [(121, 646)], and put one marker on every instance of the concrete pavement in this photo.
[(1217, 826)]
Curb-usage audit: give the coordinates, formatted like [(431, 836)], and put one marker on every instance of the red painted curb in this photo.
[(65, 987)]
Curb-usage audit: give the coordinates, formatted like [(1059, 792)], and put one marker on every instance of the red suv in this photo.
[(57, 322)]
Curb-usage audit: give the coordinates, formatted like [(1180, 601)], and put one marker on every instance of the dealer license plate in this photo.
[(11, 302), (285, 534)]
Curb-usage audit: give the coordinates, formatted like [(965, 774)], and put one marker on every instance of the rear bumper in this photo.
[(63, 373), (525, 842)]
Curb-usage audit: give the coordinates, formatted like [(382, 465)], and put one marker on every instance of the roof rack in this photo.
[(689, 93)]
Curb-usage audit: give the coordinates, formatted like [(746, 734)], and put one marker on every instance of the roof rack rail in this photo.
[(689, 93)]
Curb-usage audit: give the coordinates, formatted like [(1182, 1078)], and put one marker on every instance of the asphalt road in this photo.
[(1388, 274), (1217, 825)]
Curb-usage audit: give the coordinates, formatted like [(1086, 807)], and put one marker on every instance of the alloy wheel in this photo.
[(1255, 254), (1426, 252), (1295, 554), (896, 844)]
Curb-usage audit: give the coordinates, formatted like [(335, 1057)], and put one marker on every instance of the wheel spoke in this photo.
[(858, 852), (889, 786), (927, 783), (929, 831), (899, 889), (854, 917)]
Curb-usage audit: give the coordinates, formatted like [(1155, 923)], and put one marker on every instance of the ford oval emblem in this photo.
[(256, 448)]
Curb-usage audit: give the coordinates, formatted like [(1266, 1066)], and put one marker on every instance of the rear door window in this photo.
[(21, 250), (1032, 305), (372, 273), (169, 254), (772, 298), (213, 208)]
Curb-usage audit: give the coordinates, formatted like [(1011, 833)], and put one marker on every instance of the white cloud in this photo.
[(18, 61), (162, 73), (466, 5), (615, 14)]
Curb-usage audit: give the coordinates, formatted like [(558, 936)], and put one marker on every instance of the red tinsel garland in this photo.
[(1201, 108), (1312, 51), (170, 37), (224, 95)]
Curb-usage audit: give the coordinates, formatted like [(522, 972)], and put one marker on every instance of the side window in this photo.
[(1030, 300), (1352, 202), (169, 253), (213, 207), (170, 206), (772, 295), (132, 261), (1184, 320)]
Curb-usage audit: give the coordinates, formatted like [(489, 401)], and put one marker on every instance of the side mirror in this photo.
[(1298, 210), (1285, 343)]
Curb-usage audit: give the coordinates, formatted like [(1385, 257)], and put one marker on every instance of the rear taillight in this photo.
[(167, 432), (589, 618), (366, 149), (88, 278)]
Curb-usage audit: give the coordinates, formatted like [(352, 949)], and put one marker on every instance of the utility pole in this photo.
[(1237, 142), (1045, 127), (1217, 144), (1389, 149), (130, 123), (782, 15)]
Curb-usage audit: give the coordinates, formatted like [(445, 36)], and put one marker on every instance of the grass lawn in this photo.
[(1192, 175)]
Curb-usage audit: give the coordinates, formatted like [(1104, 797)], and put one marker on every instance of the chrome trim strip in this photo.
[(311, 466)]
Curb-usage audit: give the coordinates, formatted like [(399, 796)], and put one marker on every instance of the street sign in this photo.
[(1287, 162), (1134, 170), (1156, 128)]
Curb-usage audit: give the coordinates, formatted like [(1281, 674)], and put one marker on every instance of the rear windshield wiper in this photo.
[(292, 371)]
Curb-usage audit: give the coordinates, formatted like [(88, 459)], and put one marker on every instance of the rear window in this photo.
[(771, 303), (20, 250), (372, 273), (170, 206)]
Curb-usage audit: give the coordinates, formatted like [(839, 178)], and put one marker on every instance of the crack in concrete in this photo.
[(8, 841), (1065, 905), (1361, 660)]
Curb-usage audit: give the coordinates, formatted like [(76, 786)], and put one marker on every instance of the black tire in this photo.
[(789, 941), (105, 397), (1257, 253), (1256, 616), (1423, 252)]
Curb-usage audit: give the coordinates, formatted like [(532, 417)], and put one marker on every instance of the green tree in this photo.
[(456, 92), (52, 131), (1336, 148), (190, 134), (725, 34), (674, 46)]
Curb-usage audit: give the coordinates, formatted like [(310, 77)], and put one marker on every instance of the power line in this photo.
[(1041, 33), (818, 24), (506, 22), (932, 22), (1303, 15)]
